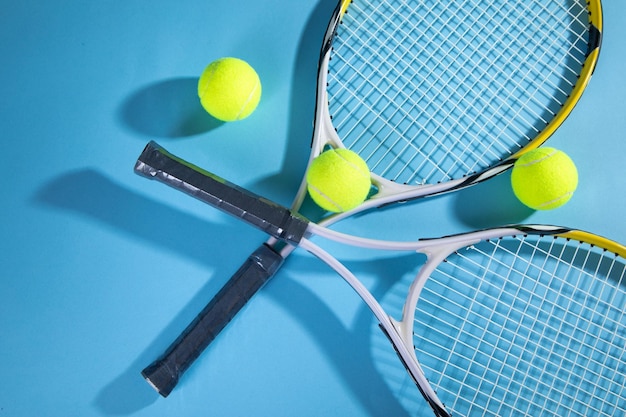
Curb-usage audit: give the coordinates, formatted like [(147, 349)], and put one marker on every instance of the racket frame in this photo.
[(270, 217), (437, 251), (219, 193), (387, 192)]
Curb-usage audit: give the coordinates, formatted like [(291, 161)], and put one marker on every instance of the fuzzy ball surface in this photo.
[(338, 180), (229, 89), (544, 178)]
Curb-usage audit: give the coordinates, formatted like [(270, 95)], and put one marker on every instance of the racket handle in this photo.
[(278, 221), (164, 373)]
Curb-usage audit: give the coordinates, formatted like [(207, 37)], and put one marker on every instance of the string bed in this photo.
[(429, 91), (532, 324)]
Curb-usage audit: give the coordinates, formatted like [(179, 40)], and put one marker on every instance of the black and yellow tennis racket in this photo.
[(434, 96), (520, 320)]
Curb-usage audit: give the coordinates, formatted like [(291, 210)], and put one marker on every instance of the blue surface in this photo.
[(101, 269)]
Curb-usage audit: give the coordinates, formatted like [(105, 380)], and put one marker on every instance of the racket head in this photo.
[(436, 96), (527, 320)]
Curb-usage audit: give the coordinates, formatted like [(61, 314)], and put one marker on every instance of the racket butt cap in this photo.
[(161, 377)]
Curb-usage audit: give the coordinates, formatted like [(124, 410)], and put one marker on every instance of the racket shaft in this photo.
[(275, 220), (164, 373)]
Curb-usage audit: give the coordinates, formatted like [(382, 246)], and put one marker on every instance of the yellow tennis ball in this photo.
[(544, 178), (229, 89), (338, 180)]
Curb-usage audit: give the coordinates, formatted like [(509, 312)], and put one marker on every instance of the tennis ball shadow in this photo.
[(490, 204), (167, 109)]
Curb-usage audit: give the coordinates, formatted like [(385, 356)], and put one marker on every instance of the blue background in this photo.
[(101, 269)]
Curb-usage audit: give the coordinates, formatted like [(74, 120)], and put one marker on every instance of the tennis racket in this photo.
[(522, 320), (434, 96)]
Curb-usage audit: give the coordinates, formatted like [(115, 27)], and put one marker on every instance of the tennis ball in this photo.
[(229, 89), (544, 178), (338, 180)]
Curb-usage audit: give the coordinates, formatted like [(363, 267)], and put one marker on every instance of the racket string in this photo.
[(499, 370), (545, 344), (401, 117), (556, 346), (485, 86), (483, 333)]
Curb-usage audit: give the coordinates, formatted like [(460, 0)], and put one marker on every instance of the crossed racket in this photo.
[(437, 96)]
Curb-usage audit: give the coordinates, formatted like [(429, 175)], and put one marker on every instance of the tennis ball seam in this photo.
[(327, 198), (248, 100), (568, 194), (537, 161), (208, 81), (354, 166)]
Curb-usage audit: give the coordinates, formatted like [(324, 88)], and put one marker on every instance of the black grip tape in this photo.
[(164, 373), (278, 221)]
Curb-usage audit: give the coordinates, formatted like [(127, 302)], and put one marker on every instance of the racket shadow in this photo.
[(301, 108), (94, 196), (351, 349), (91, 195)]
